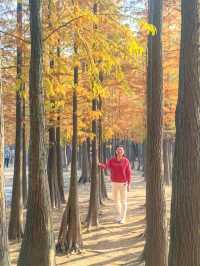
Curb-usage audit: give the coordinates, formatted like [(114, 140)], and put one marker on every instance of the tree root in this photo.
[(64, 249)]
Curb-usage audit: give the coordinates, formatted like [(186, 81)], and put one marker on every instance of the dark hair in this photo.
[(119, 146)]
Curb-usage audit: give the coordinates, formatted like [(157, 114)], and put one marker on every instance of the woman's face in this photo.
[(120, 151)]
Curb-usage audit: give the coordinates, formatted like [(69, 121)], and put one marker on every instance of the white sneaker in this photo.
[(122, 221), (118, 220)]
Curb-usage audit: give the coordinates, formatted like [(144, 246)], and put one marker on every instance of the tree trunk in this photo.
[(60, 166), (171, 156), (185, 205), (85, 174), (104, 152), (145, 158), (52, 155), (79, 160), (24, 175), (156, 229), (166, 161), (38, 246), (69, 238), (89, 156), (4, 255), (105, 155), (133, 155), (15, 230), (52, 170), (92, 218), (68, 154), (102, 186), (139, 156)]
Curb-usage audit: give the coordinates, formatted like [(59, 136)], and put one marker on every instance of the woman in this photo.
[(121, 178)]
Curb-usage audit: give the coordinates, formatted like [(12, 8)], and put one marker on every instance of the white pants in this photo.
[(119, 196)]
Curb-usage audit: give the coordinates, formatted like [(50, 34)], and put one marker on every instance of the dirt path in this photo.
[(110, 243)]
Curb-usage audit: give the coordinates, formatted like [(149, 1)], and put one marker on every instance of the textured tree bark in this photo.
[(104, 152), (185, 205), (85, 174), (171, 154), (38, 246), (105, 155), (140, 156), (89, 155), (52, 170), (60, 166), (133, 155), (92, 217), (102, 185), (68, 153), (156, 228), (69, 238), (79, 157), (52, 154), (15, 230), (166, 161), (24, 175), (4, 254)]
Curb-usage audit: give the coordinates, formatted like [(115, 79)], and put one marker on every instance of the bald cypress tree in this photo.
[(156, 230), (15, 230), (70, 238), (38, 247), (4, 256), (185, 204)]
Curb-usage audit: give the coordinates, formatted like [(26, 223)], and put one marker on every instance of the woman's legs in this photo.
[(119, 195), (123, 200), (116, 198)]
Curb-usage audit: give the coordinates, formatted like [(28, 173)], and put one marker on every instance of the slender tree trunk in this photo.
[(4, 255), (92, 218), (24, 175), (79, 159), (145, 158), (38, 246), (60, 159), (104, 152), (68, 154), (69, 238), (52, 155), (105, 155), (156, 229), (64, 156), (52, 170), (60, 166), (89, 156), (85, 174), (166, 161), (171, 156), (185, 204), (139, 156), (133, 154), (102, 185), (15, 229)]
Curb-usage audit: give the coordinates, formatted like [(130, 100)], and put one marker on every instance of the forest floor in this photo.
[(109, 244)]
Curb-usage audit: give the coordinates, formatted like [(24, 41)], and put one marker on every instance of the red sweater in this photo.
[(120, 169)]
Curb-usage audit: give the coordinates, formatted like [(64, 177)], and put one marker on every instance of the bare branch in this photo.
[(62, 26), (14, 36)]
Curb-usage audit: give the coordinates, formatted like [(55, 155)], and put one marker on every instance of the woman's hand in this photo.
[(101, 165)]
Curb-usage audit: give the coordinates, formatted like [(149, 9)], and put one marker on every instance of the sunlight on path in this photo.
[(111, 243)]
